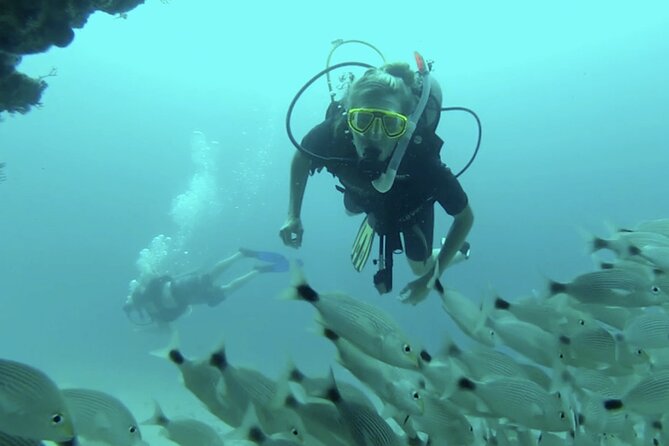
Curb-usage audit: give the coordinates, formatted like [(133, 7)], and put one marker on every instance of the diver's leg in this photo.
[(239, 281), (418, 242), (224, 264)]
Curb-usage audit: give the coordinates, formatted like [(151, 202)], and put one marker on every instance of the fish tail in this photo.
[(613, 404), (300, 289), (332, 392), (284, 397), (256, 435), (466, 384), (305, 292), (438, 286), (219, 359), (171, 350), (158, 418), (501, 304), (176, 357), (293, 373), (557, 288), (598, 243), (250, 427), (330, 334)]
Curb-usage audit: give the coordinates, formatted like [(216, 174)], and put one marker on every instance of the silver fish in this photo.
[(483, 363), (467, 315), (650, 330), (392, 384), (622, 241), (522, 401), (617, 287), (206, 383), (659, 226), (650, 396), (8, 440), (366, 326), (528, 339), (444, 422), (320, 417), (101, 417), (185, 432), (244, 386), (313, 385), (656, 255), (251, 430), (366, 426), (31, 405)]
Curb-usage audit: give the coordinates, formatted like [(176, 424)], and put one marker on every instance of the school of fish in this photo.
[(585, 363)]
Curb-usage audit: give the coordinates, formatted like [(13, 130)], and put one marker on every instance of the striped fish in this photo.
[(368, 327), (101, 417), (623, 287), (31, 405), (185, 432), (366, 426), (650, 396), (8, 440), (244, 386)]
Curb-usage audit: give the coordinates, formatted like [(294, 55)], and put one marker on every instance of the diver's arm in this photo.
[(456, 237), (299, 174), (291, 232)]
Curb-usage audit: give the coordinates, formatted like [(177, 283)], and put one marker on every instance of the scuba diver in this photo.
[(380, 141), (163, 299)]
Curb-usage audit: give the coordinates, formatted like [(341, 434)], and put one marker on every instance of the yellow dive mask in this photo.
[(360, 120)]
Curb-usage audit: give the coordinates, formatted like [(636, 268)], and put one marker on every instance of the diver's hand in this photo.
[(291, 232), (417, 290)]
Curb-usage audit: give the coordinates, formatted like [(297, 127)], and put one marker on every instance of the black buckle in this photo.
[(383, 278)]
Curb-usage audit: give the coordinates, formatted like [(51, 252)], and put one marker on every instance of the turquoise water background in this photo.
[(573, 98)]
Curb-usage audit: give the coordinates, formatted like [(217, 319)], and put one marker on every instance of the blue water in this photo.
[(573, 99)]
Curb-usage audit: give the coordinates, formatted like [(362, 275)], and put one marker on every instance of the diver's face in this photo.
[(374, 142)]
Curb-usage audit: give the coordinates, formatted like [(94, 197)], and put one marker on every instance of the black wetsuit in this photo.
[(408, 207)]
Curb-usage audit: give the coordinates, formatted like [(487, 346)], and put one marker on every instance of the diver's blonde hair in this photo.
[(395, 79)]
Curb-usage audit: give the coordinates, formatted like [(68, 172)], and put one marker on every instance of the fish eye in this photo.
[(655, 289), (295, 432), (415, 395), (581, 321), (406, 348), (132, 429), (562, 415), (56, 419)]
